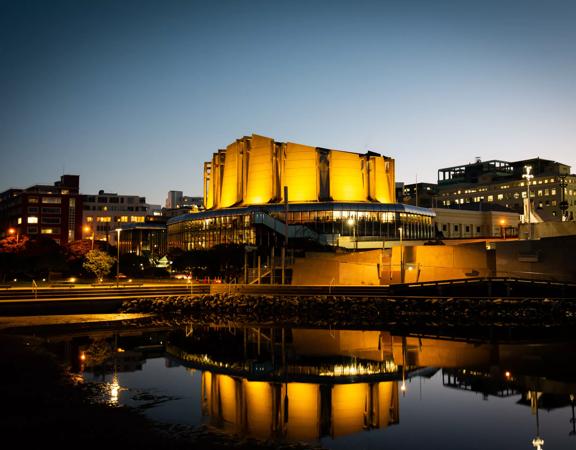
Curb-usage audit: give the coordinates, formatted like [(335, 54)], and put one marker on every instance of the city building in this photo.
[(469, 221), (551, 185), (417, 194), (49, 210), (177, 199), (144, 239), (178, 204), (260, 192), (106, 212)]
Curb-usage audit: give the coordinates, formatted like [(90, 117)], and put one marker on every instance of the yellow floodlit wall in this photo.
[(301, 173), (303, 411), (259, 411), (260, 171), (382, 180), (232, 176), (385, 406), (350, 404), (253, 171), (346, 177), (228, 398)]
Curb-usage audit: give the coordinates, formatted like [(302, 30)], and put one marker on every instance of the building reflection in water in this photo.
[(305, 384), (294, 410), (298, 384)]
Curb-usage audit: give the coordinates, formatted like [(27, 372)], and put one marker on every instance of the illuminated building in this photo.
[(105, 212), (53, 211), (258, 191), (552, 187), (144, 239)]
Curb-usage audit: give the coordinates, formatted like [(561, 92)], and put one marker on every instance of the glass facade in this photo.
[(323, 222)]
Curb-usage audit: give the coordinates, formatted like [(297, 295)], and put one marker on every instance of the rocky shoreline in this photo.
[(362, 311)]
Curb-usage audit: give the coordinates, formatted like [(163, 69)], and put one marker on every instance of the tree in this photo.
[(99, 263)]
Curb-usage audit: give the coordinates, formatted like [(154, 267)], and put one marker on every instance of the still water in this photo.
[(342, 389)]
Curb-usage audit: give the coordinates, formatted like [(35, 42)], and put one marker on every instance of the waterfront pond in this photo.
[(337, 388)]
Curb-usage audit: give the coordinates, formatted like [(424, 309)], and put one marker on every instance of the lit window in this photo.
[(47, 230), (19, 220), (490, 198), (89, 219), (500, 197), (53, 200), (103, 219), (32, 199), (32, 219)]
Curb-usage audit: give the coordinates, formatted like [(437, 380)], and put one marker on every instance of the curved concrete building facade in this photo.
[(256, 170), (261, 192)]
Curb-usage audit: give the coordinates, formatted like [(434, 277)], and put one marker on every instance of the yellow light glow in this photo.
[(348, 406), (303, 410), (346, 177), (231, 194), (260, 171), (259, 405), (301, 173)]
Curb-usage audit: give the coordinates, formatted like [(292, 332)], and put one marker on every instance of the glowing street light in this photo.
[(401, 230), (12, 232), (527, 175), (118, 230), (87, 229), (352, 223)]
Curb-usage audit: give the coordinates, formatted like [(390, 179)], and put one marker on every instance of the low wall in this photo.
[(542, 259), (337, 269), (548, 229)]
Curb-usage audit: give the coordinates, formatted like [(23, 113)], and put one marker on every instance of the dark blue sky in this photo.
[(134, 96)]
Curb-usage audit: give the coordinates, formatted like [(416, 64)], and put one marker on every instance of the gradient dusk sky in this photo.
[(134, 96)]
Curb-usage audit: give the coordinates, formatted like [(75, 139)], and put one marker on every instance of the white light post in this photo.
[(401, 230), (528, 176), (87, 229), (352, 223), (118, 230)]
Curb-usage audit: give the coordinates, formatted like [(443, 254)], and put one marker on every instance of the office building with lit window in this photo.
[(258, 191), (48, 210), (551, 185), (106, 212)]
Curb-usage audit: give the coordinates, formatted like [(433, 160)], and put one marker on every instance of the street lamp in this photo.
[(502, 229), (351, 222), (401, 230), (12, 232), (87, 229), (528, 176), (118, 230)]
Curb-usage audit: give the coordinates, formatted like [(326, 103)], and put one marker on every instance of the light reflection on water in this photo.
[(343, 388)]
